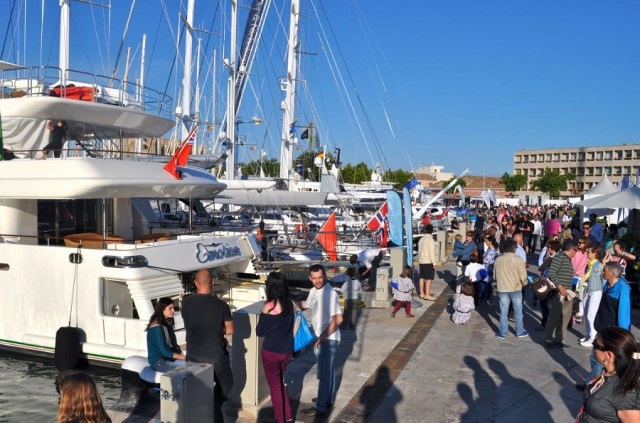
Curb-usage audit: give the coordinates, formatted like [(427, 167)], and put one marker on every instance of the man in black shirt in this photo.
[(58, 131), (207, 320)]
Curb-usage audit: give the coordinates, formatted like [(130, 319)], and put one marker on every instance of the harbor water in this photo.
[(28, 391)]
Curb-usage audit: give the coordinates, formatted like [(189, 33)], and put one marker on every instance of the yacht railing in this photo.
[(45, 81)]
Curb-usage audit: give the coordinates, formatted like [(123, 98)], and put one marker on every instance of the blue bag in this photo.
[(302, 334)]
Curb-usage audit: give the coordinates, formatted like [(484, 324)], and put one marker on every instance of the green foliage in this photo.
[(460, 182), (513, 183), (398, 178), (355, 174), (270, 167), (552, 182)]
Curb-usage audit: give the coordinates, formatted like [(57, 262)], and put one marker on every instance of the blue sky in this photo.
[(462, 83)]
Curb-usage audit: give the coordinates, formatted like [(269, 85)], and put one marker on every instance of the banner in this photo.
[(408, 225), (395, 218), (181, 157)]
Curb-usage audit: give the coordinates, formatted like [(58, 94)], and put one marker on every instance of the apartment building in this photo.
[(589, 164)]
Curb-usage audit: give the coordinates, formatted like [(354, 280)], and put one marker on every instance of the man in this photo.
[(326, 318), (614, 310), (520, 251), (207, 320), (511, 277), (587, 229), (58, 131), (427, 263), (560, 305), (535, 235), (551, 227), (525, 227), (370, 259)]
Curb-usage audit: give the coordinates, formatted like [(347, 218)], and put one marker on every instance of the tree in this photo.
[(513, 183), (399, 178), (460, 182), (552, 182), (355, 174), (270, 167)]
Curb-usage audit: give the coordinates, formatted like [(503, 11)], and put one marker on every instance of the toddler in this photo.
[(463, 304), (402, 294)]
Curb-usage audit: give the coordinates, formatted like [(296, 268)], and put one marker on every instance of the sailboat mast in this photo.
[(63, 53), (186, 81), (231, 83), (288, 104)]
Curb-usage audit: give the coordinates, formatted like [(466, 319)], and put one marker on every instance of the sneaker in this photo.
[(581, 387), (523, 334), (588, 343), (499, 336), (313, 412), (586, 338), (548, 343), (561, 344)]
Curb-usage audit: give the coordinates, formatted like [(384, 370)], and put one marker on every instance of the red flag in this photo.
[(328, 237), (181, 156), (378, 225)]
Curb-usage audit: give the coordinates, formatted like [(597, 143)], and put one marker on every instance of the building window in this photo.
[(619, 154), (627, 170), (532, 172), (556, 157), (628, 154), (608, 155), (617, 170), (599, 155), (533, 158), (525, 159), (598, 171), (518, 159), (565, 157), (573, 157), (607, 170), (581, 157), (637, 154), (548, 157), (541, 158), (590, 155)]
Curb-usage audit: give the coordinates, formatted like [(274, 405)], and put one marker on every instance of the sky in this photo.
[(459, 83)]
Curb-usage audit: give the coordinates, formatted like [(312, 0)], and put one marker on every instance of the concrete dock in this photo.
[(427, 369)]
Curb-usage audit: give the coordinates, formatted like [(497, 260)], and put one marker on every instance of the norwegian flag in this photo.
[(378, 225), (181, 156)]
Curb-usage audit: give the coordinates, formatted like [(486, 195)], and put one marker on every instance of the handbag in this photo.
[(302, 334)]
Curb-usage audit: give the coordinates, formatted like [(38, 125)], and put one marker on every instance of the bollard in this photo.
[(186, 394), (383, 297)]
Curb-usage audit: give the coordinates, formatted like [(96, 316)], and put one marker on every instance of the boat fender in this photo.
[(67, 350), (135, 380), (301, 231)]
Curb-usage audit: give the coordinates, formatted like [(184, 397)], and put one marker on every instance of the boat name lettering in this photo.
[(215, 252)]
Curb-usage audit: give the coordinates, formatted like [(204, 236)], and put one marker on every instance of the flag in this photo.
[(378, 225), (328, 237), (637, 177), (292, 128), (305, 134), (625, 183), (412, 183), (181, 156)]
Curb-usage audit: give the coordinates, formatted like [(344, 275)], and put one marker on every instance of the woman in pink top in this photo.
[(579, 263)]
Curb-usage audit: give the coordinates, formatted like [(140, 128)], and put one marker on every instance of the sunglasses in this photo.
[(599, 347)]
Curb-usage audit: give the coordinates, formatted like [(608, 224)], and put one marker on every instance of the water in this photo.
[(28, 392)]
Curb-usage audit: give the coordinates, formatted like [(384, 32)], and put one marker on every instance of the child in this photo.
[(463, 304), (351, 292), (474, 273), (458, 246), (403, 293)]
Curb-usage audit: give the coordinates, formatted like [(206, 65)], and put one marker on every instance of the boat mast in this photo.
[(231, 106), (288, 104), (63, 53), (186, 81)]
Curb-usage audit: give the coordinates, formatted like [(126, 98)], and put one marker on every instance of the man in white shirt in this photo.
[(326, 318), (535, 235)]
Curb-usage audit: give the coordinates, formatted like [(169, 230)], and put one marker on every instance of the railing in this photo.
[(41, 80)]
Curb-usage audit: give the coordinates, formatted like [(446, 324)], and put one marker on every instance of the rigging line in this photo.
[(73, 287), (95, 28), (153, 48), (83, 46), (9, 25), (124, 36), (41, 32), (340, 82)]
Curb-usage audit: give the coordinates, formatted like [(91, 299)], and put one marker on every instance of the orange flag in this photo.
[(181, 156), (328, 238)]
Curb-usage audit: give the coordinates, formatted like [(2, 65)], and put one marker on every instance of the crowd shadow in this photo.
[(382, 389), (487, 399)]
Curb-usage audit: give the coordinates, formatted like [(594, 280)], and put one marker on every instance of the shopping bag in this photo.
[(303, 335)]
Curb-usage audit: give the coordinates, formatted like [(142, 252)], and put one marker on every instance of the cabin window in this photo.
[(117, 301), (4, 266)]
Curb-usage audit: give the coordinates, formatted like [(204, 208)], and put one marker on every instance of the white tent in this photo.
[(605, 186)]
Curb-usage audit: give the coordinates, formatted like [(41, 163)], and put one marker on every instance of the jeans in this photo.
[(325, 353), (163, 366), (274, 365), (506, 298), (485, 290), (596, 367)]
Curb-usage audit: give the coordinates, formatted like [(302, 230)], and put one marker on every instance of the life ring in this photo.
[(301, 231)]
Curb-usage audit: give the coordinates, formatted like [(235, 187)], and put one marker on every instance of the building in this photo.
[(435, 172), (589, 164)]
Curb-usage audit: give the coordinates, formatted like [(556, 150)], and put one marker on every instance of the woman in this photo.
[(79, 400), (592, 294), (276, 326), (614, 395), (619, 255), (579, 263), (489, 258), (164, 353)]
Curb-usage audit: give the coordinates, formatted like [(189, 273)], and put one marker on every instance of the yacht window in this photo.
[(117, 301)]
